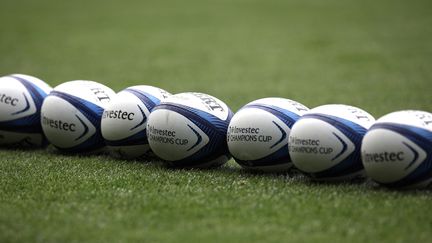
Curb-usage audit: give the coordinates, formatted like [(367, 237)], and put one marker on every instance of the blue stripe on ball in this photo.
[(281, 156), (352, 131), (138, 138), (214, 127), (422, 138), (31, 123), (147, 99), (93, 113), (288, 117)]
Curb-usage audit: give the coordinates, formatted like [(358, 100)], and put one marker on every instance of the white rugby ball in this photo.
[(71, 115), (21, 98), (258, 133), (325, 142), (397, 149), (124, 120), (189, 130)]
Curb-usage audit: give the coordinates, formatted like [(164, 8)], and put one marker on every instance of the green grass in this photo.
[(373, 54)]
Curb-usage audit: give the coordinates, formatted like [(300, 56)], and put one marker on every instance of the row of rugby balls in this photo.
[(329, 142)]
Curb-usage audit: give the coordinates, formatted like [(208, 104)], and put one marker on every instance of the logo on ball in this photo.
[(124, 120), (71, 115), (189, 130), (21, 98), (258, 133), (325, 142), (396, 151)]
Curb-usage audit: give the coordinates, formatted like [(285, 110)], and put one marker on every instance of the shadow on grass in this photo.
[(403, 191), (230, 168), (103, 152), (14, 148)]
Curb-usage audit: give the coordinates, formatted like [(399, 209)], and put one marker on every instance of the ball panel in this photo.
[(327, 147), (168, 130), (124, 117), (281, 104), (16, 101), (420, 136), (146, 99), (91, 111), (70, 127), (398, 155), (253, 139), (21, 97), (37, 88), (202, 102), (346, 112), (316, 145), (178, 115), (42, 87), (352, 130), (351, 167), (90, 91), (412, 118), (212, 123), (124, 120), (155, 94), (257, 134), (215, 134), (135, 139), (288, 116), (398, 152), (273, 160), (216, 149)]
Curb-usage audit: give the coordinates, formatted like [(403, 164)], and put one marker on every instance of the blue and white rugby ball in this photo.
[(397, 149), (325, 142), (258, 133), (21, 98), (189, 130), (71, 115), (124, 120)]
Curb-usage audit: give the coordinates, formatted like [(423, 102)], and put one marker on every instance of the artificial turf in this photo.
[(372, 54)]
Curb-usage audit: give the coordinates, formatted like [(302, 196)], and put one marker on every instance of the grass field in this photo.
[(376, 55)]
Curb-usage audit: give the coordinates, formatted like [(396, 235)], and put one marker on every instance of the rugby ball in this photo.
[(325, 142), (71, 115), (124, 120), (258, 133), (397, 149), (189, 130), (21, 98)]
